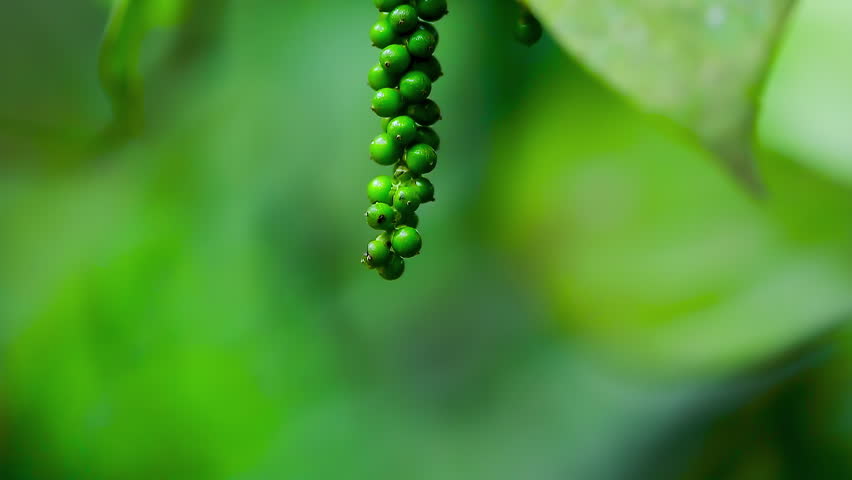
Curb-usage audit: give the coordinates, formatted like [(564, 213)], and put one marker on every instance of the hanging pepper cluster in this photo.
[(402, 80)]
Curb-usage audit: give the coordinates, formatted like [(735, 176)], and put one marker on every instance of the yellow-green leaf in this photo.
[(700, 63)]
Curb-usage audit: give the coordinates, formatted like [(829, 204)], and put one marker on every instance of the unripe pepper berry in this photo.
[(385, 237), (415, 86), (406, 200), (409, 219), (381, 216), (431, 29), (426, 113), (382, 35), (388, 5), (379, 189), (528, 29), (388, 102), (406, 242), (431, 10), (377, 253), (430, 66), (379, 78), (393, 269), (384, 150), (421, 43), (403, 19), (428, 136), (421, 158), (395, 59), (403, 129), (425, 190)]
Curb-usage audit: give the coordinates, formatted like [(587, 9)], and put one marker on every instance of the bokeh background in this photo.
[(596, 298)]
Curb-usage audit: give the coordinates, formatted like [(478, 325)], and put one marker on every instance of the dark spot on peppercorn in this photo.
[(381, 219)]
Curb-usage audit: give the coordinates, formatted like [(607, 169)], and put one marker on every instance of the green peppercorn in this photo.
[(403, 19), (377, 253), (379, 189), (431, 29), (528, 29), (421, 158), (406, 241), (388, 102), (385, 237), (393, 269), (410, 219), (384, 150), (421, 43), (388, 5), (403, 129), (415, 86), (430, 66), (425, 190), (431, 10), (395, 59), (406, 200), (425, 113), (381, 216), (379, 78), (382, 35), (428, 136)]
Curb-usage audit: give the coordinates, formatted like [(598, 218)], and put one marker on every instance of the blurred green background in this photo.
[(596, 299)]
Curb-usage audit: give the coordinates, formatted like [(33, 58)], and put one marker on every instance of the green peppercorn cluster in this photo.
[(402, 80)]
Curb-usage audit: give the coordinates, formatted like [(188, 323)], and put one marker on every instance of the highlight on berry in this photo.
[(402, 80)]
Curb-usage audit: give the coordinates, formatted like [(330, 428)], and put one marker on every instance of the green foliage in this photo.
[(804, 106), (121, 49), (184, 305), (664, 261), (700, 63)]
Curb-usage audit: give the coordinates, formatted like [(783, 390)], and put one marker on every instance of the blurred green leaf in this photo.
[(698, 63), (119, 63), (129, 22), (655, 255), (808, 105)]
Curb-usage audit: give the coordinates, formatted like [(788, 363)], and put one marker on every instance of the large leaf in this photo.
[(653, 254), (698, 62), (808, 104)]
